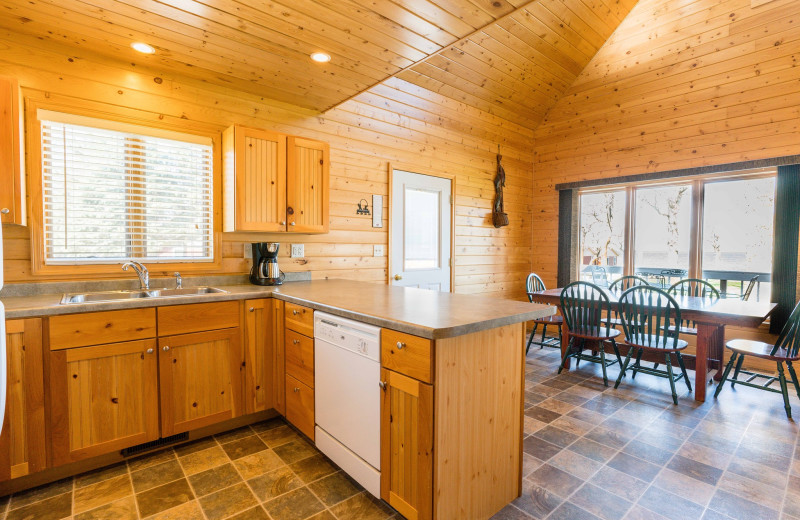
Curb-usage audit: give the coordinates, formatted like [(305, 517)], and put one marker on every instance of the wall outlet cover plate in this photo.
[(298, 251), (378, 250)]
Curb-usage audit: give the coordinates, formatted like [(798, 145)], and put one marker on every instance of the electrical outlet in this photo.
[(248, 251), (298, 251), (378, 250)]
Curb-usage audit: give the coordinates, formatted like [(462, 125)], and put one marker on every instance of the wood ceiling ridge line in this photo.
[(423, 60), (538, 46), (533, 22)]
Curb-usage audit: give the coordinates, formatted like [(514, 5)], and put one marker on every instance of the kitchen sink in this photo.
[(111, 296)]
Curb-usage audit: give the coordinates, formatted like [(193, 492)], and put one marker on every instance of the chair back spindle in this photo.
[(585, 307), (534, 283), (626, 282), (789, 337), (647, 315)]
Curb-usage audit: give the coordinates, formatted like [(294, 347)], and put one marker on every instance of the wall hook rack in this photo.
[(363, 210)]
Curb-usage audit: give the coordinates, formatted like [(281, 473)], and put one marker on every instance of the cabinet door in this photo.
[(308, 186), (22, 443), (201, 379), (300, 406), (255, 180), (279, 355), (407, 445), (102, 399), (10, 181), (259, 361)]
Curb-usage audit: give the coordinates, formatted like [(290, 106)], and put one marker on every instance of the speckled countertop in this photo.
[(429, 314)]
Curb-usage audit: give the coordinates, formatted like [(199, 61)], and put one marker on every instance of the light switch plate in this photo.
[(378, 250), (248, 250), (298, 251), (377, 211)]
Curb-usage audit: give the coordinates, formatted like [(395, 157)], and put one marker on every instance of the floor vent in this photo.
[(147, 446)]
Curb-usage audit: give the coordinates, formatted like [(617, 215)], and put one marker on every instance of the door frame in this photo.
[(447, 176)]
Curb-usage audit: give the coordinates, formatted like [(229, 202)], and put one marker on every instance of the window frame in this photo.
[(34, 102), (698, 183)]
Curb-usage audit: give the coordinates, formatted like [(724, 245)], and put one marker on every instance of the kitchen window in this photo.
[(113, 191), (716, 227)]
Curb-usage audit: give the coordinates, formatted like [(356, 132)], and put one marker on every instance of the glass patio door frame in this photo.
[(697, 184)]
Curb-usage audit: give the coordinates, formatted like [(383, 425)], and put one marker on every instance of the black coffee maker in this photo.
[(265, 264)]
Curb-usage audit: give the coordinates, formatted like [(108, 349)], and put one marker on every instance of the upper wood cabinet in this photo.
[(274, 182), (254, 170), (102, 398), (308, 186), (22, 443), (11, 201)]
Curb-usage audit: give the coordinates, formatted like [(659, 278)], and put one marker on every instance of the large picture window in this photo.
[(114, 191), (718, 228)]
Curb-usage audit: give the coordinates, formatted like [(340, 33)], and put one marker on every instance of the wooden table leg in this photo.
[(705, 331), (717, 351), (564, 341)]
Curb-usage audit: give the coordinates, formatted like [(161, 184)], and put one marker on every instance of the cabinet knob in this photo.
[(296, 389), (149, 351), (282, 222), (5, 211), (295, 341), (291, 223), (252, 309), (295, 312), (166, 348), (382, 384), (398, 277), (400, 345)]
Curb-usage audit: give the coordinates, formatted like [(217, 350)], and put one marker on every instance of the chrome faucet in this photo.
[(141, 272), (178, 280)]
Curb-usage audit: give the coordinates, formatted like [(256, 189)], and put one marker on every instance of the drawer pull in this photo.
[(295, 312), (295, 341), (382, 384), (149, 351), (252, 309), (400, 345), (5, 211), (165, 349), (296, 389)]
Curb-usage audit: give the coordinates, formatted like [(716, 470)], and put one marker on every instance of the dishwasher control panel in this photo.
[(348, 334)]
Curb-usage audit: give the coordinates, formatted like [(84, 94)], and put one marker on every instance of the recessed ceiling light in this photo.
[(321, 57), (143, 48)]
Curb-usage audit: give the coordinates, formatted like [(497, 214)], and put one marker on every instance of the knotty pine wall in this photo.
[(678, 85), (394, 122)]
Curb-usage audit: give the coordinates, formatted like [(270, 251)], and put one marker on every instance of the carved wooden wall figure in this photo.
[(499, 217)]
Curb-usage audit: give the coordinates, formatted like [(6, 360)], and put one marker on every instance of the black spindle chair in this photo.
[(648, 317), (535, 284), (621, 285), (785, 350), (587, 312)]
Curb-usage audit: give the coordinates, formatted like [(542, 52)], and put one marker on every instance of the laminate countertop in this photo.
[(421, 312)]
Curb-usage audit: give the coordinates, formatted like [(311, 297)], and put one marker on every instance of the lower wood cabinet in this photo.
[(102, 398), (407, 445), (200, 379), (22, 442), (259, 363), (300, 405)]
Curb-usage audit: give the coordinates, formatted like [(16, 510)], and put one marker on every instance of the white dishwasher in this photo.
[(347, 368)]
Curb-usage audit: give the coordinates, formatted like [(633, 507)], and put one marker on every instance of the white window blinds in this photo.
[(112, 192)]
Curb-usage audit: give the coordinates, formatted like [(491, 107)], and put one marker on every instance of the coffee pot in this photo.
[(265, 269)]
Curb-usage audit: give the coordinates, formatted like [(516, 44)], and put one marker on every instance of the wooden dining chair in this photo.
[(587, 313), (750, 285), (621, 285), (696, 288), (648, 314), (785, 350), (535, 284)]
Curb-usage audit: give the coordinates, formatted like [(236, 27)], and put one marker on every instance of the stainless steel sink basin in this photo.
[(111, 296)]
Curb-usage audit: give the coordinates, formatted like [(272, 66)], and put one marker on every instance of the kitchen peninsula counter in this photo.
[(424, 313)]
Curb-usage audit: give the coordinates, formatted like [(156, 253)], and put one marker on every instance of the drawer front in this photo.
[(97, 328), (299, 319), (197, 317), (300, 406), (407, 354), (300, 357)]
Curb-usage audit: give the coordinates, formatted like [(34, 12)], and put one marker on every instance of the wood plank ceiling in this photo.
[(512, 58)]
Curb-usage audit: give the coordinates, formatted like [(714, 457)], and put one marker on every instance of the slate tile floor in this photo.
[(589, 453)]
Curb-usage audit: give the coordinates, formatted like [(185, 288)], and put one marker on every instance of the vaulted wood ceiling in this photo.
[(513, 58)]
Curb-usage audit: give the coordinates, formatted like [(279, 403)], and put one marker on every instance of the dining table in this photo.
[(709, 317)]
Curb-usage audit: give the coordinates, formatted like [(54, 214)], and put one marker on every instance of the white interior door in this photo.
[(420, 224)]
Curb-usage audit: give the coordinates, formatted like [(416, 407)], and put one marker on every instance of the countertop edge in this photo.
[(50, 307)]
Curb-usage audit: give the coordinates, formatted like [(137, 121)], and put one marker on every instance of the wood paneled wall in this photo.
[(679, 84), (394, 122)]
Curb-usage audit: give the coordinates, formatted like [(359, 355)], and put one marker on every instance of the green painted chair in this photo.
[(692, 287), (648, 314), (785, 350), (621, 285), (535, 284), (587, 313)]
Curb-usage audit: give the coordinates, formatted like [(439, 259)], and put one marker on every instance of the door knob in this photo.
[(398, 277), (166, 348)]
